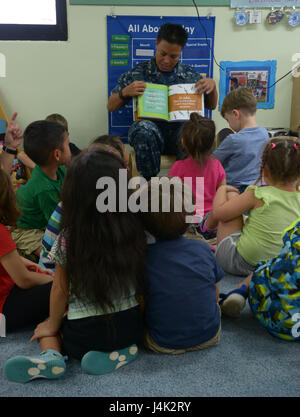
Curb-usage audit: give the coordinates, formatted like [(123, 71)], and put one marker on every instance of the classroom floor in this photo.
[(248, 362)]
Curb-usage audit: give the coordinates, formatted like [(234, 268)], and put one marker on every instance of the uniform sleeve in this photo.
[(6, 242), (224, 150), (124, 80)]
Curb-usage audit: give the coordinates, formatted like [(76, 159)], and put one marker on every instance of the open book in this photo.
[(173, 103)]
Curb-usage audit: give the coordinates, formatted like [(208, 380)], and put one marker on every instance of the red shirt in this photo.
[(6, 245)]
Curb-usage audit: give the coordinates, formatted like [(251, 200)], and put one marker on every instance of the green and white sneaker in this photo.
[(49, 364), (99, 363)]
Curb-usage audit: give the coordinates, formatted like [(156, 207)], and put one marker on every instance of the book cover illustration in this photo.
[(173, 103)]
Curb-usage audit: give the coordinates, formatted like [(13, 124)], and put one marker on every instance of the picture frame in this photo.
[(257, 75)]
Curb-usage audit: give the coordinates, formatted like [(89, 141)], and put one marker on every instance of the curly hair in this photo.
[(105, 250)]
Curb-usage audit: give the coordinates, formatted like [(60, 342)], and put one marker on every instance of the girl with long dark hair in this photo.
[(99, 258)]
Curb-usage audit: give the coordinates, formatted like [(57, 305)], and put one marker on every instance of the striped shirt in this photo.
[(51, 233)]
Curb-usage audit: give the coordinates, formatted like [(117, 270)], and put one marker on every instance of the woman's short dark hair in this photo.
[(172, 33)]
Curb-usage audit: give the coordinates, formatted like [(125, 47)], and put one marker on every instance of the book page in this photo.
[(153, 104), (183, 101)]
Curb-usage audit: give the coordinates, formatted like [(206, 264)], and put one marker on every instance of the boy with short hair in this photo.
[(47, 144), (240, 153)]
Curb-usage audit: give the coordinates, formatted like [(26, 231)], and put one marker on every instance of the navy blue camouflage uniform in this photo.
[(151, 139)]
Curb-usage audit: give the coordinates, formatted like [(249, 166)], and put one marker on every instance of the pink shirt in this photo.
[(212, 173)]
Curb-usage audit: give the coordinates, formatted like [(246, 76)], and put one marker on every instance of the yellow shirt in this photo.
[(261, 235)]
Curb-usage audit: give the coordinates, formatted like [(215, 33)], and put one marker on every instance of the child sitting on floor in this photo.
[(180, 283), (24, 291), (47, 144), (20, 176), (198, 138), (240, 153), (271, 208), (273, 289), (99, 257)]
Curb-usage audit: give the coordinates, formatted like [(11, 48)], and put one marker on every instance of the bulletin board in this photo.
[(257, 75), (131, 40)]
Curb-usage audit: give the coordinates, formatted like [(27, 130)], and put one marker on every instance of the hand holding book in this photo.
[(205, 86), (136, 88)]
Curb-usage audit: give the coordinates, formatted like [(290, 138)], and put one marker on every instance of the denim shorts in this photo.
[(230, 259)]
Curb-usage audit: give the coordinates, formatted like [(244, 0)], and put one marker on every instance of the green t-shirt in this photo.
[(261, 237), (38, 198)]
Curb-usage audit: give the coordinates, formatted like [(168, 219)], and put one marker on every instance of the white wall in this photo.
[(71, 77)]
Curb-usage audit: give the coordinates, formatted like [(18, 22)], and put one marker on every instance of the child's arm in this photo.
[(13, 138), (26, 160), (58, 302), (221, 183), (35, 267), (22, 277), (225, 209)]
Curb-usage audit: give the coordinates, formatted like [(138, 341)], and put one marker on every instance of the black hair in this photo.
[(172, 33), (105, 250), (41, 138)]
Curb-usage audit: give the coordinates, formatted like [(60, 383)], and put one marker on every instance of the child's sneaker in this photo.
[(234, 302), (49, 364), (203, 230), (99, 363)]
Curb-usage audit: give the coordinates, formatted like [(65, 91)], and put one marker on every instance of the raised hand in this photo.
[(14, 135)]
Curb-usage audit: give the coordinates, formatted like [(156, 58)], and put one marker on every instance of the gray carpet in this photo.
[(248, 362)]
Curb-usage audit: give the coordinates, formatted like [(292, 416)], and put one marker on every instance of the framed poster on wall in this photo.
[(257, 75), (131, 40)]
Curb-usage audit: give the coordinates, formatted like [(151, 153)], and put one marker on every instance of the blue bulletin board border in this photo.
[(244, 66)]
